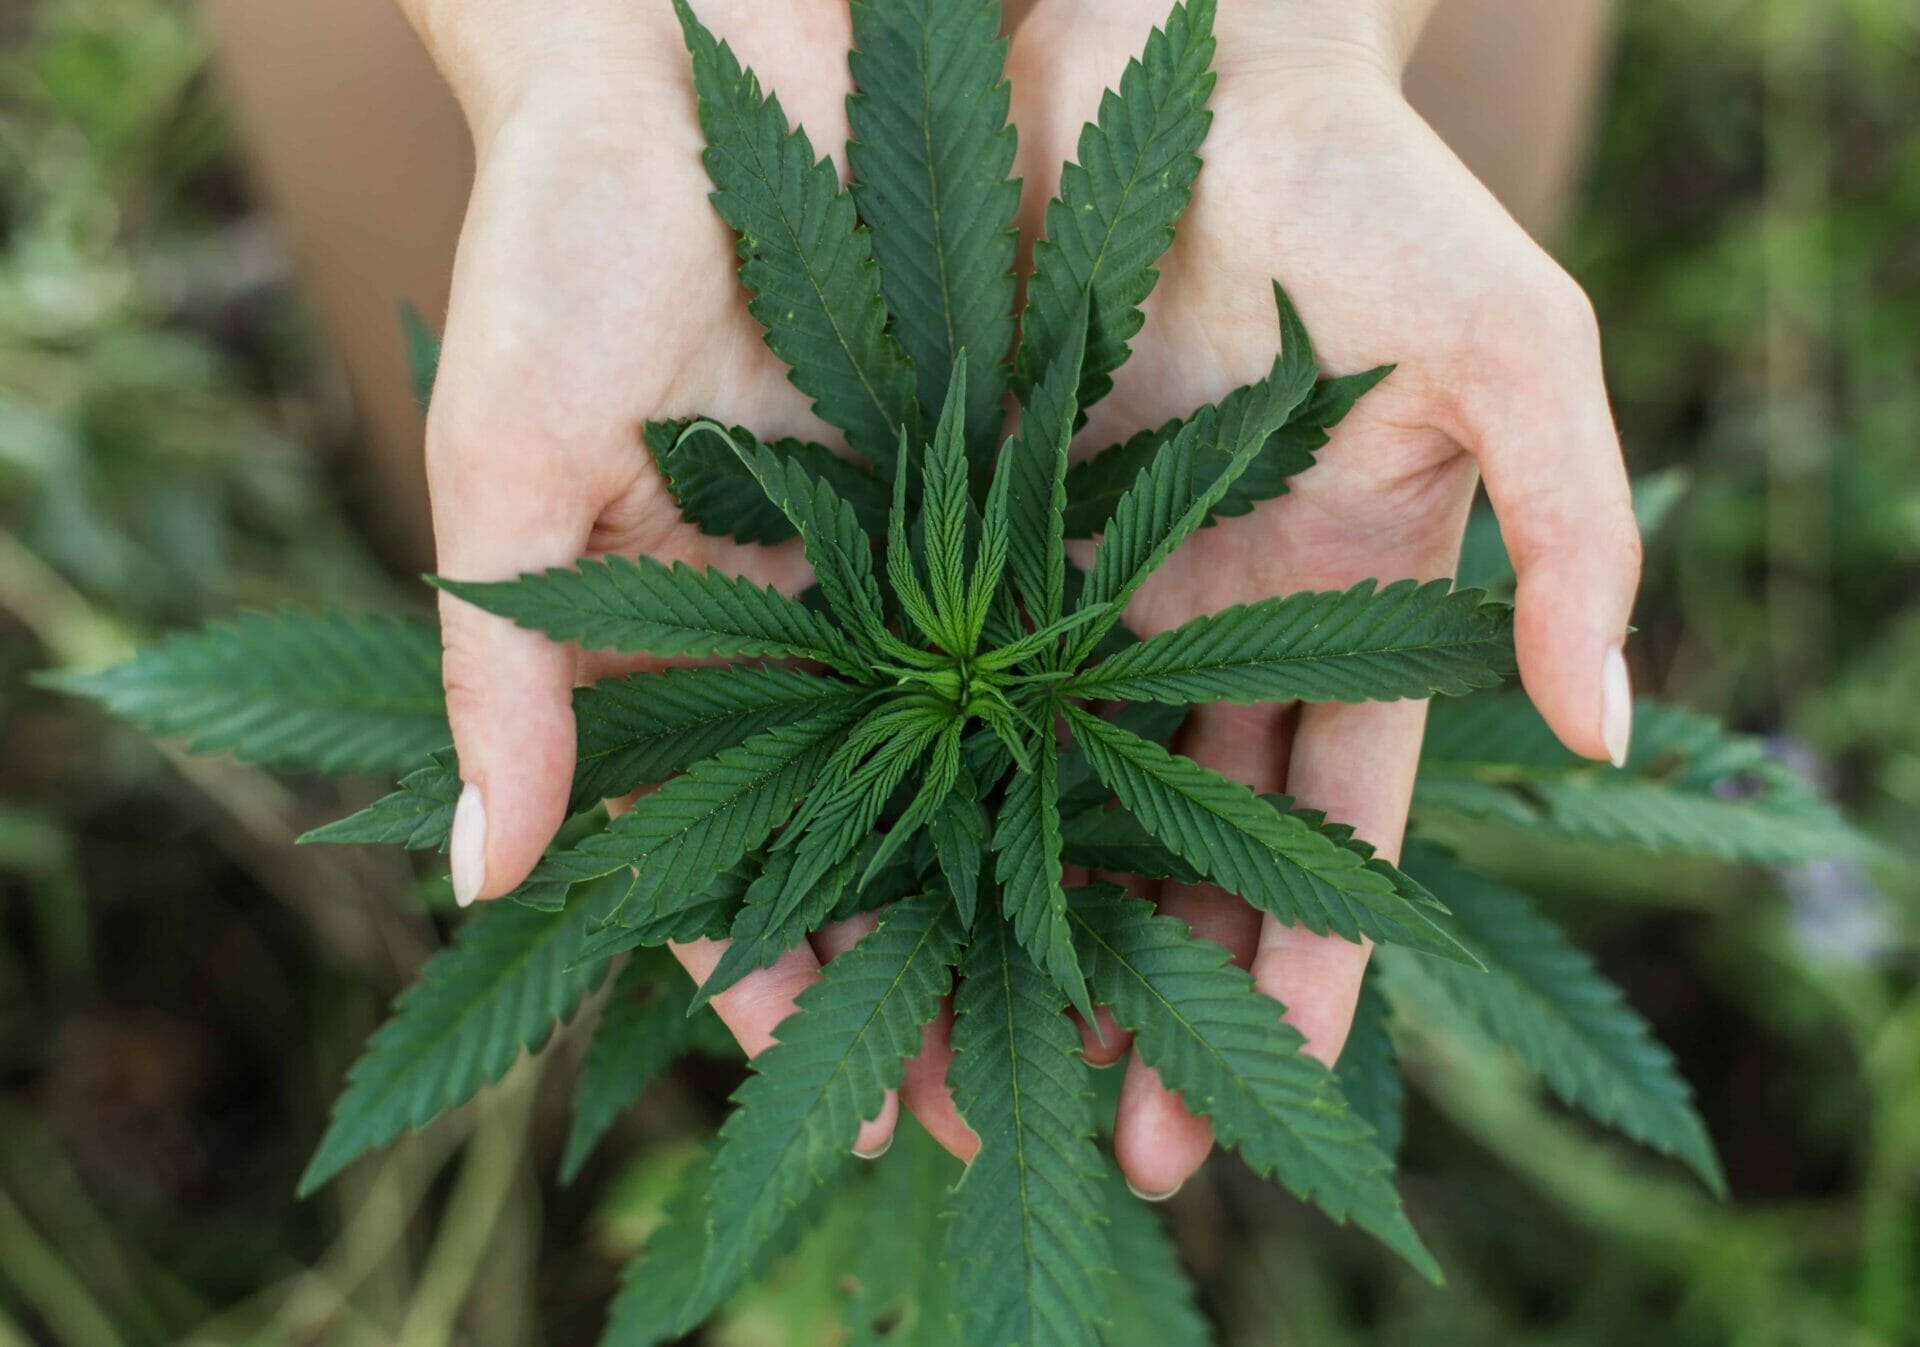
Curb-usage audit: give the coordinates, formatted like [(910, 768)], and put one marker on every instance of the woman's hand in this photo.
[(595, 288), (1320, 175)]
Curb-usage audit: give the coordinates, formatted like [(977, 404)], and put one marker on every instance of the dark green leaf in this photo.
[(301, 691), (804, 258), (930, 153)]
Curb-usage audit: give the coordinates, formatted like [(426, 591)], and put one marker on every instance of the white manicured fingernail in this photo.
[(877, 1152), (1154, 1197), (469, 846), (1616, 706)]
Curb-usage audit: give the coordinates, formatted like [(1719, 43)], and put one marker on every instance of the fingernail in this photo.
[(469, 846), (1107, 1065), (1155, 1197), (877, 1152), (1616, 706)]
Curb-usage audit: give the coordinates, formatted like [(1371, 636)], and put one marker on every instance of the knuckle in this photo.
[(1537, 323)]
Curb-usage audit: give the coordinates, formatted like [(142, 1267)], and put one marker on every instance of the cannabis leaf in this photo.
[(1199, 1022), (643, 1027), (418, 816), (1544, 999), (1175, 495), (804, 257), (507, 981), (1369, 1069), (640, 605), (1149, 1297), (1027, 864), (701, 824), (1114, 215), (1689, 786), (1026, 1240), (1278, 861), (718, 495), (930, 154), (844, 1046), (640, 729), (1095, 485), (1360, 644), (1036, 470), (307, 692)]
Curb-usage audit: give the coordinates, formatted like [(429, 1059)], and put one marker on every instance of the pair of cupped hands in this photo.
[(595, 287)]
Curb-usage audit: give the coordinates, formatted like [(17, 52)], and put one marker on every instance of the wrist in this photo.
[(1355, 38), (498, 54)]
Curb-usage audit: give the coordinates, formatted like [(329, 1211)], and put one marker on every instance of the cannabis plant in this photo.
[(953, 716)]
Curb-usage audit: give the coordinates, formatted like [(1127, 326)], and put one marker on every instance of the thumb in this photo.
[(497, 513), (1547, 448)]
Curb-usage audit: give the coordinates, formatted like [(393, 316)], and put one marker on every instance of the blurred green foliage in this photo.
[(180, 990)]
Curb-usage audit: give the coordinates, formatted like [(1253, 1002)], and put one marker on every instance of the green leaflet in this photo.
[(1026, 1239), (305, 692), (643, 1027), (700, 824), (903, 568), (840, 554), (1177, 493), (1362, 644), (1081, 789), (709, 915), (1212, 1036), (984, 591), (669, 1288), (640, 605), (507, 981), (1689, 785), (854, 788), (1280, 862), (1095, 485), (1149, 1298), (1114, 215), (930, 154), (1543, 998), (641, 729), (943, 771), (1368, 1071), (945, 512), (761, 933), (418, 815), (718, 494), (958, 830), (1026, 848), (902, 1301), (804, 257), (1036, 469), (634, 730), (797, 1115)]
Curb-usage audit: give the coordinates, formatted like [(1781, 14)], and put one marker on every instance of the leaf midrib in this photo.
[(758, 169), (797, 1135)]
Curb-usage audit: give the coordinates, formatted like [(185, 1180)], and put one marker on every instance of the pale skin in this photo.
[(595, 288)]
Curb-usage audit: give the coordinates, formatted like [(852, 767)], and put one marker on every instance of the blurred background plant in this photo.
[(180, 989)]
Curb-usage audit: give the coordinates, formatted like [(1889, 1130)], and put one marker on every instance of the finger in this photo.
[(508, 690), (829, 943), (925, 1092), (1544, 437), (1357, 763), (1104, 1043), (1157, 1140)]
